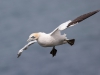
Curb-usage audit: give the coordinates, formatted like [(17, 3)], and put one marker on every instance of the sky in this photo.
[(20, 18)]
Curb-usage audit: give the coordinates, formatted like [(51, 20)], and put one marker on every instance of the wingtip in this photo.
[(83, 17), (19, 54), (97, 10)]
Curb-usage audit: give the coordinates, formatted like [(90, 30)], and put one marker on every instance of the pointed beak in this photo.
[(28, 40)]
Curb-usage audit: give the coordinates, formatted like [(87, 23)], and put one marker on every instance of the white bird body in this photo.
[(52, 39), (55, 38), (46, 40)]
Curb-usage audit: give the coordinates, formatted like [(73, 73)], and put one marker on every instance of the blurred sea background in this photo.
[(20, 18)]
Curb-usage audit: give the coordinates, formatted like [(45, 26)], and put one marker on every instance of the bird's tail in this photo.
[(71, 41)]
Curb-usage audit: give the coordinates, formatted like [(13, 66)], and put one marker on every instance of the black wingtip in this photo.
[(97, 10), (19, 54), (82, 17)]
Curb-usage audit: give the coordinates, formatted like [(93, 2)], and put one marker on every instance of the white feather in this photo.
[(64, 25)]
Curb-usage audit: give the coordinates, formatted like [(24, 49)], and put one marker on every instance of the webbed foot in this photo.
[(53, 52)]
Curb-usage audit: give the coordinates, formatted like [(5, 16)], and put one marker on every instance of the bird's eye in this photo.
[(32, 37)]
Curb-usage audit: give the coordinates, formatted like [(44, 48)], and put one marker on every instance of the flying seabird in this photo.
[(55, 38)]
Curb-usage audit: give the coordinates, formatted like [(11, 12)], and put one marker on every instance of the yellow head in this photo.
[(33, 36)]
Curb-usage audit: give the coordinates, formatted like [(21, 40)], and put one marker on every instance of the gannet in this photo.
[(55, 38)]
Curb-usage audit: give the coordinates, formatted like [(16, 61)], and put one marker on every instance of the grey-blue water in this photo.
[(20, 18)]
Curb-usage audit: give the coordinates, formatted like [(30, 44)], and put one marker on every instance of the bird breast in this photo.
[(46, 40), (49, 41)]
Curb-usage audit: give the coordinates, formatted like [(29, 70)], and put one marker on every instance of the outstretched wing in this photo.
[(25, 47), (82, 17), (72, 23), (59, 28)]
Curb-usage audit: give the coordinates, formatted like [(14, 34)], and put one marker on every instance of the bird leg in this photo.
[(53, 51)]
